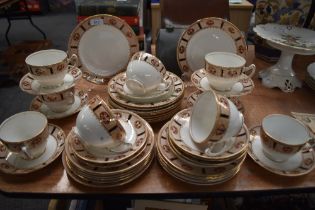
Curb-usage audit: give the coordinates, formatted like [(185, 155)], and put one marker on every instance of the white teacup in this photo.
[(224, 69), (26, 134), (282, 136), (214, 121), (99, 130), (49, 67), (61, 101), (145, 74)]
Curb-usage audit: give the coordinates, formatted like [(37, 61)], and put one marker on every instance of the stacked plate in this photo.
[(186, 161), (155, 111), (310, 76), (115, 169)]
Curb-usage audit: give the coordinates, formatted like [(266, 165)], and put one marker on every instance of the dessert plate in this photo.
[(205, 36), (299, 164), (30, 85), (243, 87), (10, 163), (104, 45), (180, 136), (80, 99), (136, 134), (152, 97)]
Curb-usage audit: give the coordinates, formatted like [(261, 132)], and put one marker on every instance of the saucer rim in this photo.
[(272, 170), (59, 149)]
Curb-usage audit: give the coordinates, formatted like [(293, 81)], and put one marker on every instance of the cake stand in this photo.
[(289, 40)]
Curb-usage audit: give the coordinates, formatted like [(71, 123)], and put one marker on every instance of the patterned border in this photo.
[(177, 95), (82, 27), (140, 128), (239, 146), (306, 166), (6, 167), (28, 83), (36, 105), (247, 82), (211, 22)]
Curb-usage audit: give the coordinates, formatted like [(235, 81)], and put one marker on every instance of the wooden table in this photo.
[(53, 181)]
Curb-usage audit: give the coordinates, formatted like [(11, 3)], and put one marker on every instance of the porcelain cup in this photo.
[(99, 129), (224, 69), (61, 101), (214, 121), (49, 67), (145, 74), (282, 136), (25, 134)]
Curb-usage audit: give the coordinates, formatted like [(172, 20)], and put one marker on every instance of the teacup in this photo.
[(282, 136), (49, 67), (99, 130), (145, 74), (61, 101), (25, 134), (224, 69), (214, 121)]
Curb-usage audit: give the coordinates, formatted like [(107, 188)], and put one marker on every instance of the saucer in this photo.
[(30, 85), (80, 99), (11, 163), (244, 86), (191, 100), (180, 136), (136, 134), (154, 96), (299, 164)]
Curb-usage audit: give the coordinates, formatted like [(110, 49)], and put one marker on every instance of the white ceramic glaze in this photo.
[(224, 69), (289, 132), (207, 115), (49, 67), (311, 70), (25, 133), (104, 50)]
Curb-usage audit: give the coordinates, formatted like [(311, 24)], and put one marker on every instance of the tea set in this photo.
[(112, 143)]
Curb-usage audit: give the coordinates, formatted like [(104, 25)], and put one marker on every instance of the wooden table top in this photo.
[(52, 181)]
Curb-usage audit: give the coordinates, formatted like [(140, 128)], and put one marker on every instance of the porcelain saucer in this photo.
[(243, 87), (136, 134), (11, 163), (299, 164), (180, 136), (191, 100), (154, 96), (80, 99), (30, 85)]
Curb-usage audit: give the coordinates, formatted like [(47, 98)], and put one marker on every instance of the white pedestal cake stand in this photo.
[(282, 74)]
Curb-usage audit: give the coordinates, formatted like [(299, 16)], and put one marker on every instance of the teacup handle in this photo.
[(73, 60), (26, 152), (249, 70), (209, 151), (136, 86)]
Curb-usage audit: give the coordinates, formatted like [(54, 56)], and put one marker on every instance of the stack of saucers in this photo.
[(310, 76), (189, 162), (101, 168), (53, 80), (153, 107)]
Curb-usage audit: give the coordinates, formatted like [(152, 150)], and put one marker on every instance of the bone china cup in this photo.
[(282, 136), (98, 128), (49, 67), (224, 69), (145, 73), (25, 133), (59, 102), (214, 118)]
